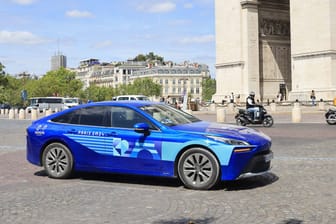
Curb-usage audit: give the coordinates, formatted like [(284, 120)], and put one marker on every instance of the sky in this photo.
[(32, 31)]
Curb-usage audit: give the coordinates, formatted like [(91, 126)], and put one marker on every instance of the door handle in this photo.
[(72, 131), (112, 134)]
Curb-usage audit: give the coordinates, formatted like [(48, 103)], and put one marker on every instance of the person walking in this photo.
[(313, 97)]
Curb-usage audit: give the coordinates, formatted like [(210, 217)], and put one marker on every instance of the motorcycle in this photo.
[(243, 117), (330, 116)]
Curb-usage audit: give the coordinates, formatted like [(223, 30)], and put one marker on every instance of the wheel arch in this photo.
[(50, 141), (178, 156)]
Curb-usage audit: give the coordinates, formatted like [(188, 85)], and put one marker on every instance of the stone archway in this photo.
[(274, 49), (269, 46)]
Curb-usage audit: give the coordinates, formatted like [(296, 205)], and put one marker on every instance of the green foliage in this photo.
[(148, 57), (146, 87), (2, 67), (96, 93), (61, 82), (209, 88)]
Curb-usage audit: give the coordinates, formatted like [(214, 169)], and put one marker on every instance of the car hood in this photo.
[(250, 135)]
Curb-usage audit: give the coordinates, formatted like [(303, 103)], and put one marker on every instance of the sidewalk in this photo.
[(281, 114)]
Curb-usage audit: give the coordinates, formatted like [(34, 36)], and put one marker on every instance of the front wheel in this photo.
[(268, 121), (240, 121), (198, 169), (57, 161), (331, 119)]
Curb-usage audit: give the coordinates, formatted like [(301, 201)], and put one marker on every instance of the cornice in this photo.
[(249, 4)]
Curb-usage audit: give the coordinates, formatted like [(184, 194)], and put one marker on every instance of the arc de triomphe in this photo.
[(272, 46)]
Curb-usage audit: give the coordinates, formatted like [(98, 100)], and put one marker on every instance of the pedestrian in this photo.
[(279, 97), (313, 97), (232, 98), (238, 99)]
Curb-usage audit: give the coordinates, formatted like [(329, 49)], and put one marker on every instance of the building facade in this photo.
[(176, 80), (276, 46), (58, 61)]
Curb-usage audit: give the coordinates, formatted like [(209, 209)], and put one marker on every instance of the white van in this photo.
[(71, 102), (131, 97)]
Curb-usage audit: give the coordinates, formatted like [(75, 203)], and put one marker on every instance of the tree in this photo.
[(149, 57), (2, 67), (209, 88), (61, 82), (146, 87), (96, 93)]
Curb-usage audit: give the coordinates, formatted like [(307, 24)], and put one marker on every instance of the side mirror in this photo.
[(141, 128)]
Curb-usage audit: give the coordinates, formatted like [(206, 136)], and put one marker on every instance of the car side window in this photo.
[(123, 117), (93, 116)]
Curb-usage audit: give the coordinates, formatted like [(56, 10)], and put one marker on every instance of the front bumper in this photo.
[(258, 165), (248, 164)]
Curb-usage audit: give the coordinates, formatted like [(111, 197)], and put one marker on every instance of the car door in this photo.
[(133, 152), (85, 131)]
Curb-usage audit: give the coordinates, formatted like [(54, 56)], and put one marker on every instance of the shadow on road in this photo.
[(241, 184)]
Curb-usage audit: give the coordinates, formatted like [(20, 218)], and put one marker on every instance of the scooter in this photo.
[(330, 116), (244, 118)]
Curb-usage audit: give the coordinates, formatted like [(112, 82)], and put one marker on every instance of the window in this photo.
[(123, 117), (93, 116)]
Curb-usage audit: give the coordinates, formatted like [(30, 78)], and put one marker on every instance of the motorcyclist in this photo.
[(251, 107)]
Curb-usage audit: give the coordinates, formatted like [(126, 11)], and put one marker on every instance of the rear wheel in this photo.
[(198, 169), (331, 119), (57, 161), (268, 121)]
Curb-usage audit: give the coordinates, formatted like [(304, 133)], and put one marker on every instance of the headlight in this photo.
[(229, 141)]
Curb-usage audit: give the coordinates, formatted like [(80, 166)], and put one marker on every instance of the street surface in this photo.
[(299, 190)]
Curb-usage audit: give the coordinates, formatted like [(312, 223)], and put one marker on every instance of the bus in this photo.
[(46, 103)]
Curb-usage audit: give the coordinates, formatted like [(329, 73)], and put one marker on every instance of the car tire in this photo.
[(198, 169), (331, 119), (57, 161)]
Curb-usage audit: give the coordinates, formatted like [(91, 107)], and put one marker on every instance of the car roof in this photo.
[(135, 103), (131, 96)]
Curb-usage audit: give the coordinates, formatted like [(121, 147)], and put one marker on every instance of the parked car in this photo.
[(5, 106), (146, 138), (131, 97)]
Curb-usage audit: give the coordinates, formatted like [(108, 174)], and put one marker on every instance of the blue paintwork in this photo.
[(94, 149)]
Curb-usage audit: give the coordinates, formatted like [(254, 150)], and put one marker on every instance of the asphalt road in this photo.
[(300, 188)]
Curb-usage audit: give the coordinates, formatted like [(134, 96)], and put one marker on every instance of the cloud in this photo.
[(79, 14), (24, 2), (198, 39), (157, 7), (20, 37), (103, 44)]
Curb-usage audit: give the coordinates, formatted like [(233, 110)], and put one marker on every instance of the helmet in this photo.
[(252, 93)]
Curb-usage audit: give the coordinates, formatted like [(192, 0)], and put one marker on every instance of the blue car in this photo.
[(146, 138)]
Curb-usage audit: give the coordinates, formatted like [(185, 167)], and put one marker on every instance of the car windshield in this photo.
[(71, 100), (168, 115)]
